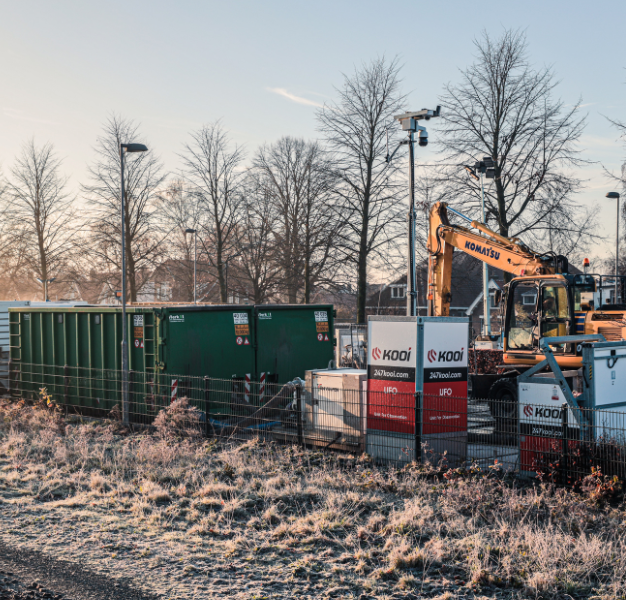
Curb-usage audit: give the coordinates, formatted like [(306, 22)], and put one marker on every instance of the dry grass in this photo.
[(193, 511)]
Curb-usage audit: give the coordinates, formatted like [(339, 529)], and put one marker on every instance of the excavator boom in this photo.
[(509, 255)]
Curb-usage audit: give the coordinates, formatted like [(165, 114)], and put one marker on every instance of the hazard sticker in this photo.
[(138, 343), (321, 326), (246, 342), (239, 340), (320, 337), (326, 337), (242, 330)]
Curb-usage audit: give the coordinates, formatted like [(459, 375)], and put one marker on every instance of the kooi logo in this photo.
[(443, 356), (528, 411), (401, 355)]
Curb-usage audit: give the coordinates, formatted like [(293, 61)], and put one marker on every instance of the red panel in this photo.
[(391, 405), (444, 407)]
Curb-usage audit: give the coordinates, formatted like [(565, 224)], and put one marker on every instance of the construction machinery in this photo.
[(542, 301)]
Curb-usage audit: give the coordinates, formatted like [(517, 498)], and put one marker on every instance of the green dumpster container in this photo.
[(293, 339), (75, 353)]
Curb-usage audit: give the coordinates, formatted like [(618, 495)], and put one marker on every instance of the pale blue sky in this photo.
[(172, 66)]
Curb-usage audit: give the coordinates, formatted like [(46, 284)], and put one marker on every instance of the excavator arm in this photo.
[(507, 254)]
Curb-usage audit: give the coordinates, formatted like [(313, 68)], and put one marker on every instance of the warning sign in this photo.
[(321, 326), (246, 342), (326, 337), (242, 326), (138, 332), (138, 343), (239, 340), (320, 337)]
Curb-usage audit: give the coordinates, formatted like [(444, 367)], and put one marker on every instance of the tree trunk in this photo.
[(361, 293), (220, 276), (130, 265), (307, 280)]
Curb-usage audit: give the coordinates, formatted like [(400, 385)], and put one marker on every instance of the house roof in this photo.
[(467, 282)]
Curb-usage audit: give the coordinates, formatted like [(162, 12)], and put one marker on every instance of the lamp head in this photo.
[(613, 195), (135, 147), (190, 231)]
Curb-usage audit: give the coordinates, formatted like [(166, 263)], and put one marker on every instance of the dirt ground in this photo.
[(32, 575), (183, 518)]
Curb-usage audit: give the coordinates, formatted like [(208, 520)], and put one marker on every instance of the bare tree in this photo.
[(255, 241), (298, 177), (505, 110), (212, 167), (143, 175), (620, 181), (39, 213), (180, 210), (356, 128)]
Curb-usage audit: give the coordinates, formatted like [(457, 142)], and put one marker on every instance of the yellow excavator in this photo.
[(542, 300)]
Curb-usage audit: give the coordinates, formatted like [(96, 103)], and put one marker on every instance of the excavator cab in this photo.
[(536, 307), (554, 306)]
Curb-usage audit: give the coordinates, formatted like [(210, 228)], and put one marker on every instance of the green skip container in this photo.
[(174, 350)]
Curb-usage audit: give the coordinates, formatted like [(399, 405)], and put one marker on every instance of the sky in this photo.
[(263, 68)]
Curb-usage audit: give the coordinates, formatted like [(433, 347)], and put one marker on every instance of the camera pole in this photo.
[(411, 308), (408, 121)]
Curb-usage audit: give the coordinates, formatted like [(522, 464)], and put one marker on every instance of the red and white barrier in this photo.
[(247, 387), (262, 388), (174, 390)]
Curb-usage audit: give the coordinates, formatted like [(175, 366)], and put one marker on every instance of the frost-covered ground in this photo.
[(189, 518)]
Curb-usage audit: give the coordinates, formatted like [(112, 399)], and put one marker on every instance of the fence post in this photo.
[(207, 400), (299, 414), (564, 440), (66, 384), (418, 428), (131, 392)]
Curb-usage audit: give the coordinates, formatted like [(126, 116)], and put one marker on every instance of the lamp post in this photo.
[(408, 122), (195, 254), (125, 406), (45, 283), (485, 167), (226, 273), (615, 196)]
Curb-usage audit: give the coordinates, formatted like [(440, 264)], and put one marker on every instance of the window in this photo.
[(398, 291), (523, 318), (554, 313)]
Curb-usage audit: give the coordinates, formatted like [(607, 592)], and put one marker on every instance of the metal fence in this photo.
[(557, 443)]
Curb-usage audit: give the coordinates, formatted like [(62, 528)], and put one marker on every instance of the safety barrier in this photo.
[(555, 443)]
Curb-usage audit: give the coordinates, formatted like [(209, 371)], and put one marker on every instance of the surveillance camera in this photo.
[(423, 138)]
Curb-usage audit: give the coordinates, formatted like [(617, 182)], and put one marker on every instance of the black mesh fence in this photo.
[(554, 442)]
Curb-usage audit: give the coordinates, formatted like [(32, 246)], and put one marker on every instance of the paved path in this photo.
[(30, 575)]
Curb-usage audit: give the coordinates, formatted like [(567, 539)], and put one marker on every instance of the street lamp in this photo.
[(615, 196), (45, 283), (485, 167), (195, 253), (408, 122), (125, 407), (226, 273)]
